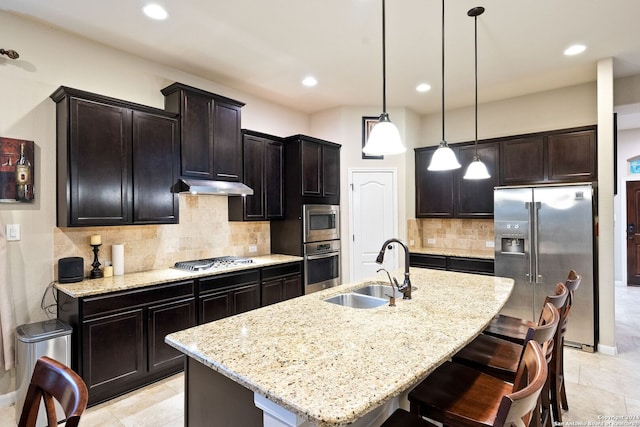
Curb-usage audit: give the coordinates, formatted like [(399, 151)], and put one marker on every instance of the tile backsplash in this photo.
[(469, 234), (204, 231)]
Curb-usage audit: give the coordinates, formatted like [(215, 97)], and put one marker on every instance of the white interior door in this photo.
[(374, 214)]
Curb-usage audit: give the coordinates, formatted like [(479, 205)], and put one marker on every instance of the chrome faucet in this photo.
[(405, 288)]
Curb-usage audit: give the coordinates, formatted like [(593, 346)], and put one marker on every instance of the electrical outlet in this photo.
[(253, 248), (13, 232), (489, 244), (431, 241), (412, 242)]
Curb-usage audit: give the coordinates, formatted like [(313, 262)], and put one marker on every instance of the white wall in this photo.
[(557, 109), (606, 275)]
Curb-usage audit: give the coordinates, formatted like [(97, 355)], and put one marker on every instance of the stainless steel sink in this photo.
[(379, 290), (354, 300)]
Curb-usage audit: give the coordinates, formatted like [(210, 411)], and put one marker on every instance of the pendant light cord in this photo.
[(442, 70), (384, 61), (475, 29)]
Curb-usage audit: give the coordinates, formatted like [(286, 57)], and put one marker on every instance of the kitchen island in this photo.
[(307, 362)]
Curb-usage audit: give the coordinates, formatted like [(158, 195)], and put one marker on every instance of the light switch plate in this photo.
[(13, 232), (489, 244), (431, 241), (253, 248)]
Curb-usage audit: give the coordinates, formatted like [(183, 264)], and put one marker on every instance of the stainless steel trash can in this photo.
[(48, 338)]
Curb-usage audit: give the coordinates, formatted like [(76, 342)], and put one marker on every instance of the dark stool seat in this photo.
[(457, 395), (402, 418)]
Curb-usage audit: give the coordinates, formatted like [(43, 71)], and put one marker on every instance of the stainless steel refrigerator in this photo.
[(540, 234)]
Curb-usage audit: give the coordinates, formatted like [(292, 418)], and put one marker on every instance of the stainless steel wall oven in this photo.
[(321, 265)]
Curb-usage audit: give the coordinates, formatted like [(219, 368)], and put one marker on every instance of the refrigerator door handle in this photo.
[(536, 250), (530, 274)]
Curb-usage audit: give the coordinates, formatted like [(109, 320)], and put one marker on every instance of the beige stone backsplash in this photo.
[(469, 234), (204, 231)]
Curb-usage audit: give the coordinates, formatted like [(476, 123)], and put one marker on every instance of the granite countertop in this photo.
[(465, 253), (141, 279), (332, 364)]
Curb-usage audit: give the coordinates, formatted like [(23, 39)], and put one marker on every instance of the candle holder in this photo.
[(96, 273)]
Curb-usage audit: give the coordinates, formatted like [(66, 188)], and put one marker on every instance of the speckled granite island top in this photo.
[(332, 364), (141, 279)]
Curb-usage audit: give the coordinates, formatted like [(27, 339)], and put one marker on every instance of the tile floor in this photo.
[(597, 385)]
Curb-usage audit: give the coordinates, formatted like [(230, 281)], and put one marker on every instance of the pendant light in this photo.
[(476, 169), (443, 158), (384, 137)]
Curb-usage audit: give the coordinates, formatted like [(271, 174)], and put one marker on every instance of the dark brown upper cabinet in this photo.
[(568, 155), (572, 156), (210, 140), (117, 161), (263, 159), (313, 171), (523, 160), (473, 198), (434, 189)]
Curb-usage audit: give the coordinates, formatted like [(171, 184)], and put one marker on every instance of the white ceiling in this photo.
[(267, 47)]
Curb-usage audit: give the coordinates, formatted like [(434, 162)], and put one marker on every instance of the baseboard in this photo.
[(7, 399), (608, 350)]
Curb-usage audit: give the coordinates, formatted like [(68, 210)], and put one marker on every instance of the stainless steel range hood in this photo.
[(217, 188)]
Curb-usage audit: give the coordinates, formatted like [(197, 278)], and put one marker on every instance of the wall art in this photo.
[(16, 170)]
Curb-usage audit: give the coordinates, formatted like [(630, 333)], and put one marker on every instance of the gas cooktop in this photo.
[(212, 263)]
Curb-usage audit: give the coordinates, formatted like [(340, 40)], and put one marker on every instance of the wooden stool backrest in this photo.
[(516, 408), (53, 380), (545, 333), (572, 283)]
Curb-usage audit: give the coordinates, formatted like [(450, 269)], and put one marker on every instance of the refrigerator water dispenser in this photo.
[(512, 246)]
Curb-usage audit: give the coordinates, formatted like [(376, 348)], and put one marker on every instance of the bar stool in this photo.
[(514, 328), (500, 358), (510, 329), (53, 380), (458, 395)]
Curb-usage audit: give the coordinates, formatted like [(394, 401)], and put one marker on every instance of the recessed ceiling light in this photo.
[(575, 49), (309, 81), (423, 87), (155, 11)]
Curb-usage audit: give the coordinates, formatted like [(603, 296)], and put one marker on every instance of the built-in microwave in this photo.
[(321, 222)]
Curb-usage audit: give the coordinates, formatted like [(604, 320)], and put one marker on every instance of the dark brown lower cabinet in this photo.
[(214, 306), (118, 338), (224, 295), (113, 352), (164, 319), (452, 263), (281, 282)]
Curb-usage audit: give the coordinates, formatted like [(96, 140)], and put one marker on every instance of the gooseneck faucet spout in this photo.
[(405, 288)]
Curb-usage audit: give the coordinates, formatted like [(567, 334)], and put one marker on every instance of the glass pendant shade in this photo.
[(477, 170), (384, 138), (443, 159)]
